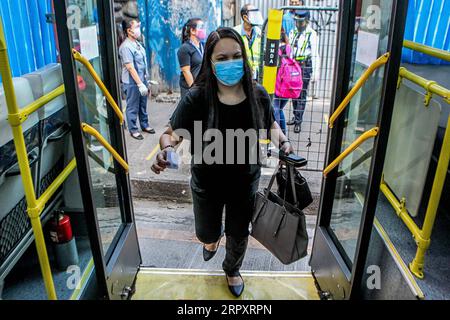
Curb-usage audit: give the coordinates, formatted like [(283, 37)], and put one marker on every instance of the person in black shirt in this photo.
[(224, 115), (190, 54)]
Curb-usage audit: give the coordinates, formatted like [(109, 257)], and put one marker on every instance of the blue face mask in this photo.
[(229, 72)]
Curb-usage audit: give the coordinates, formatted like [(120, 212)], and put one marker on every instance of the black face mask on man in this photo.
[(301, 25)]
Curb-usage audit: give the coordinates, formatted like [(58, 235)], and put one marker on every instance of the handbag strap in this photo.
[(291, 178), (272, 181)]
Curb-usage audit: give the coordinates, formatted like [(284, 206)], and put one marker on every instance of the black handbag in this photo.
[(302, 191), (278, 225)]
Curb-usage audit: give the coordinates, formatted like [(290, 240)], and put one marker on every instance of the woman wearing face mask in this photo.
[(224, 97), (190, 54), (134, 78)]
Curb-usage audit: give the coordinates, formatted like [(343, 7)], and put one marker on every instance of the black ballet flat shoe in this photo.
[(236, 290), (208, 255)]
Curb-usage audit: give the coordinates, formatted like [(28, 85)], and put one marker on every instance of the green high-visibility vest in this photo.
[(254, 51), (299, 53)]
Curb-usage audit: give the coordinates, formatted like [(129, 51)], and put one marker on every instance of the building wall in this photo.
[(162, 23), (428, 22), (124, 10), (30, 39)]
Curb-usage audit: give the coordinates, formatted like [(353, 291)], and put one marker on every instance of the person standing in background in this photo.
[(289, 81), (190, 54), (305, 44), (134, 78), (288, 18), (251, 35)]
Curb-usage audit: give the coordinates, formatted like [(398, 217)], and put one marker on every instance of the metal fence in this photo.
[(312, 108)]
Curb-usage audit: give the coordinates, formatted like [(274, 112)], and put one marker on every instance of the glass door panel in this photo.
[(87, 45), (93, 111), (370, 43)]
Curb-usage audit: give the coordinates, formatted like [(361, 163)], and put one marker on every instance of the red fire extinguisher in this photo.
[(60, 228)]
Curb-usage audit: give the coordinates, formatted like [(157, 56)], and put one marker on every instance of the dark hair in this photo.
[(126, 24), (244, 9), (207, 81), (186, 32)]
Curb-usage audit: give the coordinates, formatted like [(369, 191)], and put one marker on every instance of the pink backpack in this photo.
[(289, 78)]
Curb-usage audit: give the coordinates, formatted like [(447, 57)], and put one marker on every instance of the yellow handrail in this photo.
[(364, 137), (24, 165), (91, 131), (434, 52), (51, 189), (77, 56), (374, 66), (22, 115), (430, 86), (422, 236)]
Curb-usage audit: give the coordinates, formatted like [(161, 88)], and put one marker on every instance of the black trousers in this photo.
[(300, 105), (237, 197)]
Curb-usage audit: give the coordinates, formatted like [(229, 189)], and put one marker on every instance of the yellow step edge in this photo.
[(187, 284)]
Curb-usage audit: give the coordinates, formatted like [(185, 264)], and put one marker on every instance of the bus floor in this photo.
[(436, 283), (176, 284), (25, 282)]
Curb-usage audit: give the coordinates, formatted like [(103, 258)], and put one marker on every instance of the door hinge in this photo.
[(127, 293), (325, 295)]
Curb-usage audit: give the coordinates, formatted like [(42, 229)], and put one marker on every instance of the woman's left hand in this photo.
[(287, 148)]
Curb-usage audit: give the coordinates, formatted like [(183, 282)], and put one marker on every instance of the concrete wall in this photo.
[(125, 10)]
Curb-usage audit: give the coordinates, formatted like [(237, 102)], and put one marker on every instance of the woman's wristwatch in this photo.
[(167, 147)]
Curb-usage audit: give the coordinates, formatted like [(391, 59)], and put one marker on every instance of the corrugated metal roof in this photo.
[(30, 39)]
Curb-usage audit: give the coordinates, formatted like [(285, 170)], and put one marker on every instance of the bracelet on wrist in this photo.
[(167, 147), (284, 142)]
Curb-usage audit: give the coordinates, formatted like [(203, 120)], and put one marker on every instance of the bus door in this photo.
[(370, 37), (87, 46)]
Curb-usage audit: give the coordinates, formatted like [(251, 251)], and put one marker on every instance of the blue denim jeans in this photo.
[(278, 106)]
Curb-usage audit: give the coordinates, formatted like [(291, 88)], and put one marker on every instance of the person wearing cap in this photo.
[(305, 45), (251, 35), (288, 17)]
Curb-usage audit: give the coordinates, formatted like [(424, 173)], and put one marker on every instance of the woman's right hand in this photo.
[(161, 162)]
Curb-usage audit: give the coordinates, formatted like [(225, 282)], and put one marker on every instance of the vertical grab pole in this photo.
[(34, 210), (417, 264)]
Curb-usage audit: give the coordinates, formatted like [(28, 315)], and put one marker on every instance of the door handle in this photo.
[(77, 56), (361, 81), (91, 131), (364, 137)]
